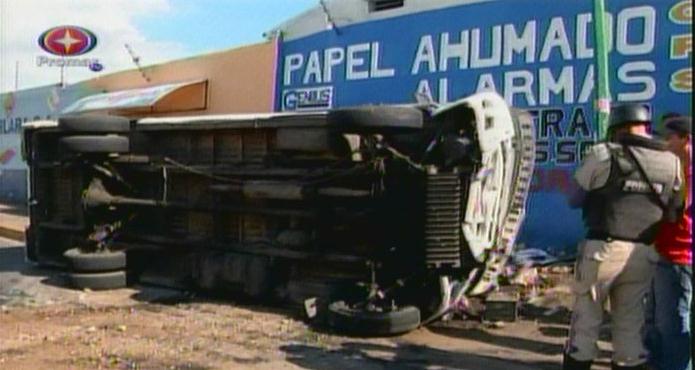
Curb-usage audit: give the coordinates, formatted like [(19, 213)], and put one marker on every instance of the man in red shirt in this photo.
[(670, 336)]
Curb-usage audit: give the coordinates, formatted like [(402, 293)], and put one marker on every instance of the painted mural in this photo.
[(538, 54)]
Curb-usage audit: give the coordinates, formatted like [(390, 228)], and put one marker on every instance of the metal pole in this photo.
[(603, 92), (62, 74), (16, 76)]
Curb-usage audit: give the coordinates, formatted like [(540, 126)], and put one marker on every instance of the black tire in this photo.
[(105, 144), (376, 118), (348, 320), (99, 281), (94, 123), (81, 261)]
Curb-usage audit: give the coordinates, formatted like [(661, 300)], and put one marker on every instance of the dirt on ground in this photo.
[(44, 325)]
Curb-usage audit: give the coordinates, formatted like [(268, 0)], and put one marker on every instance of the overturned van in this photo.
[(381, 217)]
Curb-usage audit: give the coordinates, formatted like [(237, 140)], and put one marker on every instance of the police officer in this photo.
[(628, 183)]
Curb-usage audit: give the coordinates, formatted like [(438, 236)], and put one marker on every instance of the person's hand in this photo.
[(576, 200)]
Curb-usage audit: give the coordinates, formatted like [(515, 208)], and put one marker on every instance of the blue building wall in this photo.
[(18, 108), (536, 53)]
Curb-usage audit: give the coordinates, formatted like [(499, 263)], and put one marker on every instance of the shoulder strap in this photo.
[(646, 178)]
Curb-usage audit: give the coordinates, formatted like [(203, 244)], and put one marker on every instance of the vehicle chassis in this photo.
[(378, 206)]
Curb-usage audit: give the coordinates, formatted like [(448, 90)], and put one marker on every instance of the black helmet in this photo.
[(628, 115), (680, 124)]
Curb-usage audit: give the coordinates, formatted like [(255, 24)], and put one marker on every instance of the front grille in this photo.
[(443, 221), (61, 198)]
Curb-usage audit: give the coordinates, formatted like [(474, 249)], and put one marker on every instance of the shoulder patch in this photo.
[(601, 152)]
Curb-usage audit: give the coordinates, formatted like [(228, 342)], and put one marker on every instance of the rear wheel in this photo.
[(99, 281), (101, 261)]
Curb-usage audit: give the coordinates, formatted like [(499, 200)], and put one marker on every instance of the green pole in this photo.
[(603, 92)]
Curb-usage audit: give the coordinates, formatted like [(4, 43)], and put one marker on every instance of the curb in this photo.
[(11, 233)]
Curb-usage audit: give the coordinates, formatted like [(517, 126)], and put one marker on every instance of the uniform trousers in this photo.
[(619, 272)]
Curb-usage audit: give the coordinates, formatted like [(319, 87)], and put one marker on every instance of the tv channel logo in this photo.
[(67, 41)]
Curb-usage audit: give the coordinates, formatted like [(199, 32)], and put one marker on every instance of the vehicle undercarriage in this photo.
[(384, 217)]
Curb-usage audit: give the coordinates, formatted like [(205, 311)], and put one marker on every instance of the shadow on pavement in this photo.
[(552, 325), (553, 331), (14, 209), (167, 296), (559, 315), (513, 342), (14, 269), (12, 259), (367, 356)]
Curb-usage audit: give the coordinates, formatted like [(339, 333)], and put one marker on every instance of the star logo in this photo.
[(67, 41)]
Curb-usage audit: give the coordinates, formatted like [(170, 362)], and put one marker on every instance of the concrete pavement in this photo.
[(13, 221)]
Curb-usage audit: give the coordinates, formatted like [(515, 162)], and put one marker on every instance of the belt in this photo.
[(602, 235)]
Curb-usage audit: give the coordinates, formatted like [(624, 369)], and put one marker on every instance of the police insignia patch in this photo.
[(634, 186)]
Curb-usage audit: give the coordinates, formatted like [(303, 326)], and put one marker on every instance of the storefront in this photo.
[(538, 54), (240, 80)]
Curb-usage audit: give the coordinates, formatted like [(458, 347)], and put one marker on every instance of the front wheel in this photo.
[(94, 144), (94, 124), (364, 322)]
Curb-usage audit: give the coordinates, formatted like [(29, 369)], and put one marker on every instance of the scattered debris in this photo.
[(310, 307), (496, 325), (502, 306), (533, 258)]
